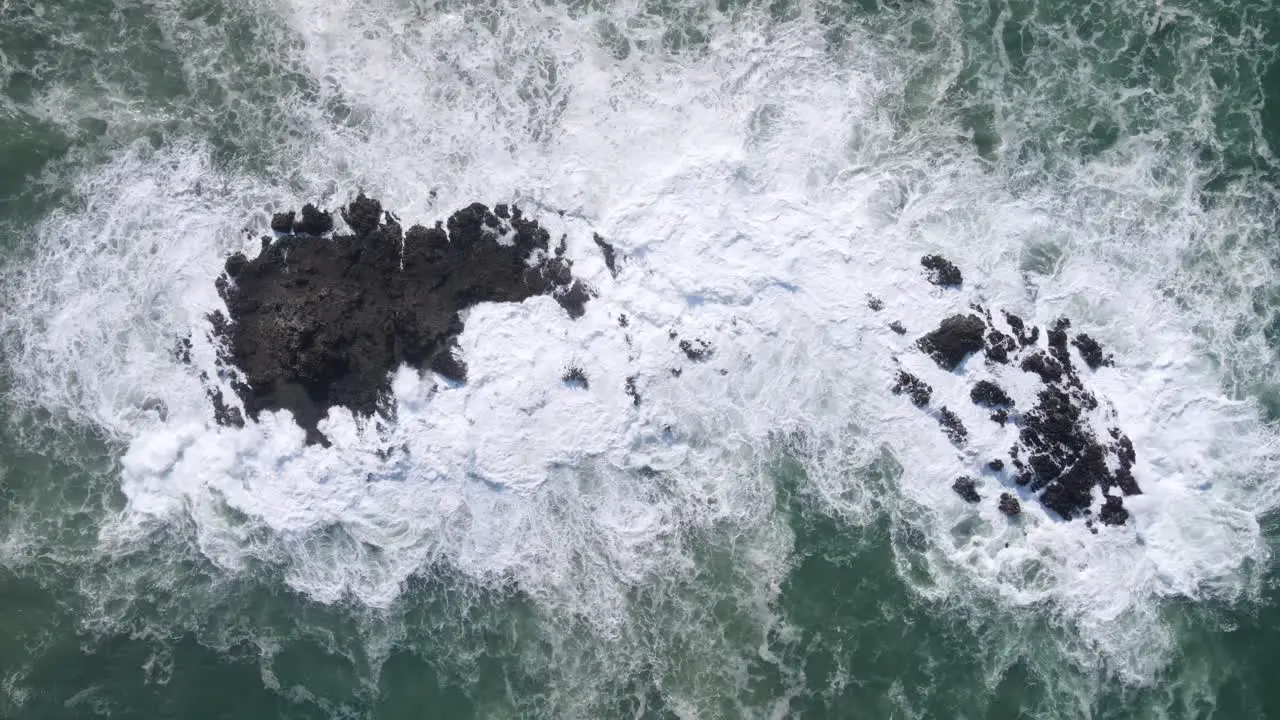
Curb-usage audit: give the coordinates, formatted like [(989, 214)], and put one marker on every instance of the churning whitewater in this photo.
[(757, 189)]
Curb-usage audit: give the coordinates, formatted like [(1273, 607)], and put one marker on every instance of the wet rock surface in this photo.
[(967, 489), (958, 337), (1072, 469), (315, 322), (941, 271)]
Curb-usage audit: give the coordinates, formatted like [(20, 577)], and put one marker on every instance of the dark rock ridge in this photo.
[(1058, 456), (610, 254), (315, 322)]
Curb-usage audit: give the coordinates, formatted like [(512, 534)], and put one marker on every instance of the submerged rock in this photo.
[(315, 322)]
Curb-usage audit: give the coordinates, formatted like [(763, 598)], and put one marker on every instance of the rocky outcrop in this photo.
[(958, 337), (941, 271), (1058, 455), (967, 489), (315, 322)]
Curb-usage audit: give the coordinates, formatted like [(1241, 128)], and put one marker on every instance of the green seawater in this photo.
[(1034, 88)]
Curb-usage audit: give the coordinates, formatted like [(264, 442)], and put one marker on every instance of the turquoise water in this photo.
[(797, 573)]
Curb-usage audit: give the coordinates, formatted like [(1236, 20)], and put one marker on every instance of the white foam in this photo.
[(758, 191)]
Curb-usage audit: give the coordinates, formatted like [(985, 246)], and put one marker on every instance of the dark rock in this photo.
[(952, 426), (610, 255), (918, 390), (182, 350), (1000, 416), (1000, 347), (283, 222), (941, 271), (1091, 352), (1042, 364), (1058, 342), (989, 394), (967, 489), (955, 339), (875, 303), (898, 327), (224, 414), (1025, 338), (575, 377), (312, 324), (698, 350), (1113, 511), (314, 222), (996, 465), (573, 298), (1009, 504), (630, 389), (622, 320)]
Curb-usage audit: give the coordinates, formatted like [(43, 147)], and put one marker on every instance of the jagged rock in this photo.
[(630, 389), (1000, 417), (918, 390), (224, 414), (1113, 511), (996, 465), (955, 339), (941, 271), (1000, 347), (610, 255), (1009, 504), (875, 303), (313, 323), (1040, 363), (1091, 352), (989, 394), (1025, 338), (952, 426), (967, 489), (898, 327)]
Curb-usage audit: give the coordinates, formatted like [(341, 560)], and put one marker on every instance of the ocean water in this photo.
[(769, 534)]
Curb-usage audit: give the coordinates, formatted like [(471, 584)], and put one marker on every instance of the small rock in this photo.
[(967, 489), (1091, 351), (1009, 504), (698, 350), (875, 303), (952, 426), (942, 272), (996, 465), (989, 394), (918, 390), (575, 377), (1113, 512), (898, 327), (956, 338)]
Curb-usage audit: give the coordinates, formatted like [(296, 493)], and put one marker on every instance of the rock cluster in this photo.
[(316, 321), (1057, 457)]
